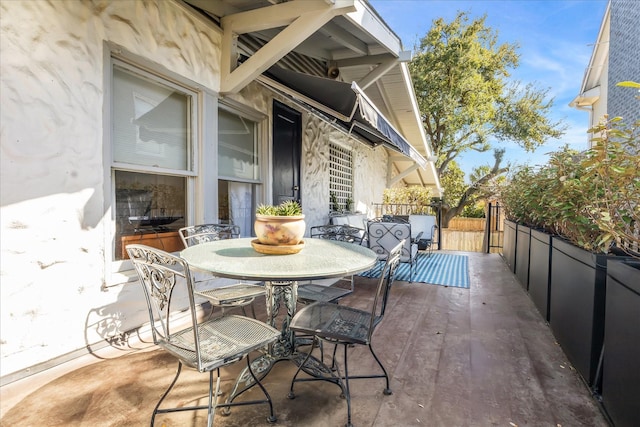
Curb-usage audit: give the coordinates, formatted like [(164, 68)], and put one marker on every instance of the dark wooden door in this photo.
[(287, 144)]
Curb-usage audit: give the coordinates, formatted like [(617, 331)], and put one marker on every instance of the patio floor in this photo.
[(457, 357)]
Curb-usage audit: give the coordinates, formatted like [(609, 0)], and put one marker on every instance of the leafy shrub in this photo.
[(591, 198)]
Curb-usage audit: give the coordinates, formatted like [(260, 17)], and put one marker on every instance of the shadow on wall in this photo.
[(124, 324)]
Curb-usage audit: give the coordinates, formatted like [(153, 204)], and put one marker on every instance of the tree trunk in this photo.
[(466, 198)]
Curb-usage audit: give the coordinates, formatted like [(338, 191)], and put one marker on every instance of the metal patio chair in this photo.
[(384, 235), (206, 346), (324, 290), (423, 231), (345, 326), (228, 296)]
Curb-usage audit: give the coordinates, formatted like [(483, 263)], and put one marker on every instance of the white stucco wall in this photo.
[(54, 217), (52, 171)]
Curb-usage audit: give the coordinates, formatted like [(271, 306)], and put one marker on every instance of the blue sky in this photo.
[(556, 38)]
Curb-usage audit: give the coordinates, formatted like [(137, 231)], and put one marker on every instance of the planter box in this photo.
[(621, 365), (540, 271), (509, 244), (577, 304), (522, 255)]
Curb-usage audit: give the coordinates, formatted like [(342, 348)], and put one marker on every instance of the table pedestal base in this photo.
[(277, 294)]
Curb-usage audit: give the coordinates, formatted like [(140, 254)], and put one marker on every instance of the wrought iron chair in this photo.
[(384, 235), (345, 326), (423, 231), (325, 292), (206, 346), (229, 296)]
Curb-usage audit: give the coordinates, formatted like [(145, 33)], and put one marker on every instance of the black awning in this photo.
[(345, 102)]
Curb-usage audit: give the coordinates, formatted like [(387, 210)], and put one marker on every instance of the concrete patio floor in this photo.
[(456, 357)]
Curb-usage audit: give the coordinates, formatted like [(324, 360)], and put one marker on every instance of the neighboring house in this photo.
[(615, 58), (124, 120)]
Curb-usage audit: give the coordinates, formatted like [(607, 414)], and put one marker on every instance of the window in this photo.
[(238, 168), (152, 158), (340, 177)]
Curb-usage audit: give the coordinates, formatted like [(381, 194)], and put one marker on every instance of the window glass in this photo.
[(237, 147), (236, 205), (151, 122), (150, 208), (152, 156)]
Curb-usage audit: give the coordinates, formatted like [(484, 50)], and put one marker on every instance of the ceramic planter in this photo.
[(522, 255), (539, 271), (509, 244), (577, 304), (279, 230), (621, 364)]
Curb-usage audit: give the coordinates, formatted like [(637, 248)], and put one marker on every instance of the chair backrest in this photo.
[(384, 285), (423, 223), (196, 234), (343, 233), (383, 236), (165, 279)]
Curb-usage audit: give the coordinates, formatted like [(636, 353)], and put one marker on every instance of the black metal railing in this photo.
[(493, 228)]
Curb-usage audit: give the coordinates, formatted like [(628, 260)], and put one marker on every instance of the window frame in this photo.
[(334, 187), (259, 184), (115, 58)]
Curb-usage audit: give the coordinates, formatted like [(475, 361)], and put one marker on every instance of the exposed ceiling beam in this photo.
[(345, 38), (302, 18), (401, 175), (365, 60), (279, 15), (379, 71), (385, 63)]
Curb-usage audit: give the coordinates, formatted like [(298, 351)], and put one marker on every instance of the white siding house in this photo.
[(116, 114), (615, 58)]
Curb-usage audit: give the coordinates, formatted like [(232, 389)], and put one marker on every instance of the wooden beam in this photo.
[(379, 71), (401, 175), (311, 16), (345, 38), (279, 15)]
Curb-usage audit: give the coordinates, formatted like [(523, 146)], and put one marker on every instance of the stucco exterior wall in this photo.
[(55, 218), (52, 171), (369, 168)]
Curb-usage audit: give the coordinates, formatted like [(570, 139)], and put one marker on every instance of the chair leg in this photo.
[(346, 390), (387, 391), (156, 410), (272, 417), (255, 381), (213, 398)]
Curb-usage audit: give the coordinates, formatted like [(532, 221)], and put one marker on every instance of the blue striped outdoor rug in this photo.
[(437, 269)]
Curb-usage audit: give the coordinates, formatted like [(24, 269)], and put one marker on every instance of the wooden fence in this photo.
[(467, 234)]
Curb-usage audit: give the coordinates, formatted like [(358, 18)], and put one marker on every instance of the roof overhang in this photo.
[(346, 103), (586, 99), (344, 39)]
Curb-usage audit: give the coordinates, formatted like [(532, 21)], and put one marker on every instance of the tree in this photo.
[(461, 79)]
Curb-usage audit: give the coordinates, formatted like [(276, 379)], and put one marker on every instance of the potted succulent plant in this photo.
[(280, 225)]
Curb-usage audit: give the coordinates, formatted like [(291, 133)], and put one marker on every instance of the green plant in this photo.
[(286, 208), (613, 164), (348, 204), (415, 195), (592, 198), (334, 202)]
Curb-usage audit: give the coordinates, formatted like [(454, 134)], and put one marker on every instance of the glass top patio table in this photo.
[(320, 258), (236, 259)]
